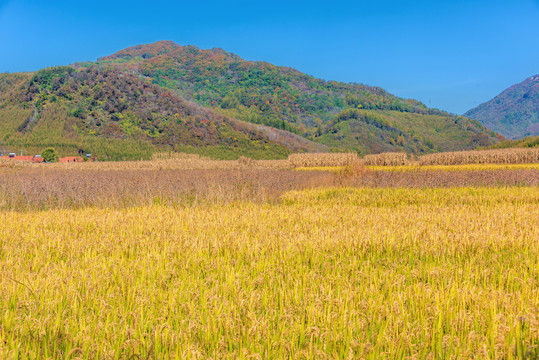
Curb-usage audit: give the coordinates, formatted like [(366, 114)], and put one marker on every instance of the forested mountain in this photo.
[(165, 96), (121, 116), (514, 113), (282, 97)]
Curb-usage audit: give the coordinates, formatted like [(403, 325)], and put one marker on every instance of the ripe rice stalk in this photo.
[(335, 273)]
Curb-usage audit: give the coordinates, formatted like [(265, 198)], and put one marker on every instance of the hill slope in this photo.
[(514, 113), (528, 142), (120, 116), (284, 98)]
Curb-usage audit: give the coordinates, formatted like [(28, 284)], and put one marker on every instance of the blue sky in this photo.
[(451, 55)]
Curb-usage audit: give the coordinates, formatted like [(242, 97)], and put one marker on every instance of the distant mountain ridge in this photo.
[(513, 113)]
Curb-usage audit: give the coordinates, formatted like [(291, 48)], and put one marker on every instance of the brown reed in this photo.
[(42, 187)]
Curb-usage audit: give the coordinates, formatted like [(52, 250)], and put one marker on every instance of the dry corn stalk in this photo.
[(322, 159), (501, 156), (386, 159)]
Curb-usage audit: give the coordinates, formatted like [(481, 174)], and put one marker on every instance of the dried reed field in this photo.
[(194, 162), (325, 273), (448, 179), (33, 188)]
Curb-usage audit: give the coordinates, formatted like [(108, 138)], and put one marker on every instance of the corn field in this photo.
[(386, 159), (322, 159), (502, 156), (193, 162)]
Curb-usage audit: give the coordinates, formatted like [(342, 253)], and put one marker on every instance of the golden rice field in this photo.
[(334, 273)]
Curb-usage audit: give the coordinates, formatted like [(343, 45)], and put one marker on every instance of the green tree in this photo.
[(49, 155)]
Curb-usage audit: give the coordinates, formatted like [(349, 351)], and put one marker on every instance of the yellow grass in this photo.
[(468, 167), (330, 273), (320, 168)]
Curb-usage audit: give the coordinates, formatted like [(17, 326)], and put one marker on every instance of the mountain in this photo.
[(118, 115), (164, 96), (282, 97), (514, 113)]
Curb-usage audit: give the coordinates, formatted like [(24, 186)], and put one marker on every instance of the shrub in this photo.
[(50, 155)]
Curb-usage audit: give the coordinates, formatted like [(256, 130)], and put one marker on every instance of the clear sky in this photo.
[(451, 55)]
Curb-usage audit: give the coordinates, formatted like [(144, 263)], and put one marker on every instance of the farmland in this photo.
[(180, 258)]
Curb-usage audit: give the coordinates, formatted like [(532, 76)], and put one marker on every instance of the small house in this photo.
[(37, 159)]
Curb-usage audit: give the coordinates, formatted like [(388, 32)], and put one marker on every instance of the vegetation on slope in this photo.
[(368, 131), (117, 116), (284, 98), (529, 142), (125, 105)]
